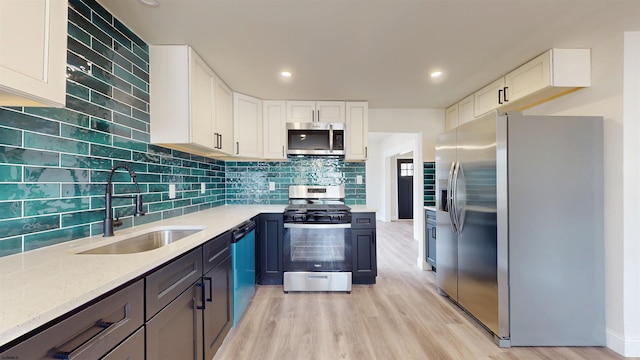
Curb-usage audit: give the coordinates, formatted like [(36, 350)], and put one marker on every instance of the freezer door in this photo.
[(447, 248), (475, 203)]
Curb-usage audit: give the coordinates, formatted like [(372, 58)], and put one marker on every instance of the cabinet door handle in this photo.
[(195, 328), (202, 298), (210, 280), (107, 328), (433, 233), (506, 99), (237, 148), (313, 116), (282, 150), (500, 96), (318, 115), (366, 152)]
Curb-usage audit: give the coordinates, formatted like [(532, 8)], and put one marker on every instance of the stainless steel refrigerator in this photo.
[(520, 227)]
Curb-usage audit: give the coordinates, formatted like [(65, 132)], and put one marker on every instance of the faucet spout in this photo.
[(108, 222)]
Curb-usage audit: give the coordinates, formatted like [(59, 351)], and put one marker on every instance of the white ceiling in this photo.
[(376, 50)]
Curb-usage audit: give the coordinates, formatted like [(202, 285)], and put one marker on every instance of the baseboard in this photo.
[(627, 347)]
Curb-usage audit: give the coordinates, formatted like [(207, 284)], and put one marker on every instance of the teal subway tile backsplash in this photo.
[(54, 162), (10, 209), (248, 182), (45, 238), (429, 173)]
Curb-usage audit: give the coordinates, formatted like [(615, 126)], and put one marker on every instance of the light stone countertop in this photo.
[(431, 208), (40, 285)]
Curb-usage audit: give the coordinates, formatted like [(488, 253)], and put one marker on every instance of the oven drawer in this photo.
[(363, 220)]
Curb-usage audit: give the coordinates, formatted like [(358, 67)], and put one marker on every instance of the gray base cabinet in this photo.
[(430, 238), (89, 334), (193, 324), (181, 310), (217, 285), (363, 248), (176, 331), (269, 235), (130, 349)]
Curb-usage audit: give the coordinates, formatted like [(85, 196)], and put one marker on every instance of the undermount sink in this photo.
[(144, 242)]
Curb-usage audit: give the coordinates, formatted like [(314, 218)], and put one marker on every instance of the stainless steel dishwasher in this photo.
[(243, 259)]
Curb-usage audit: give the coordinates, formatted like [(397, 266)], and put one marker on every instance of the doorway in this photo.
[(405, 188)]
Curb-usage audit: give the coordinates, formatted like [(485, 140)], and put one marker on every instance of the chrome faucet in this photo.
[(109, 223)]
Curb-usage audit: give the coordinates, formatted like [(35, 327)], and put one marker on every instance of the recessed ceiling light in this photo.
[(285, 74), (153, 3), (436, 74)]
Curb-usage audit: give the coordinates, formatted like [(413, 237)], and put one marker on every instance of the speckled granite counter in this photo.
[(40, 285)]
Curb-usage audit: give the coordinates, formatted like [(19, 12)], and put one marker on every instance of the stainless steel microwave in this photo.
[(315, 138)]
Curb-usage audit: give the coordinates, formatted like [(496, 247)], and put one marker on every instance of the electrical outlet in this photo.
[(203, 188), (172, 191), (272, 185), (358, 179)]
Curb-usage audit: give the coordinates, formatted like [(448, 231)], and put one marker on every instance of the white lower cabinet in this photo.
[(357, 131), (33, 52), (274, 125), (247, 126)]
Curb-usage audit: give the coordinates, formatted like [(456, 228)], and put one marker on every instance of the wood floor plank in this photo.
[(400, 317)]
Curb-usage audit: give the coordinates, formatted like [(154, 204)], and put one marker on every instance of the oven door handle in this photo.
[(316, 226)]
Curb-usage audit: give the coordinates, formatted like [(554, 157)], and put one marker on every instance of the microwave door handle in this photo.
[(330, 134)]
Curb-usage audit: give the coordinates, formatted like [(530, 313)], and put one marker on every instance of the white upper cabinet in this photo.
[(301, 111), (247, 126), (316, 111), (451, 117), (554, 73), (33, 48), (488, 98), (330, 111), (466, 110), (274, 122), (202, 105), (357, 130), (191, 108), (224, 117)]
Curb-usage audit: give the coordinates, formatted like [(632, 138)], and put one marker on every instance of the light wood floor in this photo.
[(401, 317)]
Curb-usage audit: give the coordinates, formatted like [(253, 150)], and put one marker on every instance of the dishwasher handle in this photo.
[(242, 230)]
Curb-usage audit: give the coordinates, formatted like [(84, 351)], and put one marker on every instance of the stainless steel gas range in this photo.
[(317, 239)]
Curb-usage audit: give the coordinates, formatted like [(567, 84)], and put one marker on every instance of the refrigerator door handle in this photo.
[(458, 179), (454, 198), (450, 197)]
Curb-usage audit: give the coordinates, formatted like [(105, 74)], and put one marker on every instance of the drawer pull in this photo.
[(107, 329)]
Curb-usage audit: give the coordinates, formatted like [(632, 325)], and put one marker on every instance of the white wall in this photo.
[(403, 130), (429, 122), (615, 95), (384, 149)]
